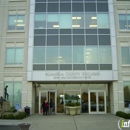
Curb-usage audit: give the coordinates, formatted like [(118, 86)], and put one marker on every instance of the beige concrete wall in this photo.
[(15, 73), (123, 39)]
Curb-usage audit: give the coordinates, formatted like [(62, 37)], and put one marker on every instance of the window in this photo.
[(16, 22), (124, 21), (40, 20), (63, 19), (105, 55), (91, 55), (125, 54), (52, 21), (14, 91), (39, 55), (14, 55), (65, 54), (126, 93)]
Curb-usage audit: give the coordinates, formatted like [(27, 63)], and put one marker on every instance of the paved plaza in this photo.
[(67, 122)]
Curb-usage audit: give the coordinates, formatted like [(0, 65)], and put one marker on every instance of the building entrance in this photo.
[(48, 95), (93, 98), (97, 102)]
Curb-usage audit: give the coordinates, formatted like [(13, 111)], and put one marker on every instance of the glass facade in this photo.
[(14, 92), (72, 33)]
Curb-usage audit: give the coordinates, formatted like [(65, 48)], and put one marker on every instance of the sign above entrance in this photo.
[(72, 75)]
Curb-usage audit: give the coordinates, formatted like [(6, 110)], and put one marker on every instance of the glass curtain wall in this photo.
[(71, 35)]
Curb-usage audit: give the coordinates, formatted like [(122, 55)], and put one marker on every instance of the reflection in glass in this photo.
[(77, 21), (91, 55), (65, 54), (39, 55), (105, 54), (101, 102), (128, 20), (78, 54), (72, 96), (40, 20), (93, 104), (65, 20), (90, 20), (52, 55), (103, 20), (125, 53), (52, 21), (14, 91), (122, 21), (126, 94)]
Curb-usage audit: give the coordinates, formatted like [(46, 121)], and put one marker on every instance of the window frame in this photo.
[(126, 20), (16, 28), (14, 62), (121, 54)]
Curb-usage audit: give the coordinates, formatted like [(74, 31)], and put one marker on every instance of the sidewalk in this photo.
[(67, 122)]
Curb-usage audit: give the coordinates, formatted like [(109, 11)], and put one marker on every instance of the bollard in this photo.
[(24, 126)]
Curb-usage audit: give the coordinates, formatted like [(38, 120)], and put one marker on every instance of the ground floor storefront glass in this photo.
[(94, 98)]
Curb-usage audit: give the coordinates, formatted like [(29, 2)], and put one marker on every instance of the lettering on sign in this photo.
[(74, 75)]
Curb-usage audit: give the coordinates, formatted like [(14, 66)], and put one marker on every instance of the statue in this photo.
[(6, 94), (1, 101)]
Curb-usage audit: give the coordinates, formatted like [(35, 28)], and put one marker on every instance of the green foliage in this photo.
[(72, 104), (12, 109), (17, 116), (20, 115), (77, 104), (4, 116), (123, 114), (10, 116)]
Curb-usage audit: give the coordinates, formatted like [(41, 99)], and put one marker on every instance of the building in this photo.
[(66, 50)]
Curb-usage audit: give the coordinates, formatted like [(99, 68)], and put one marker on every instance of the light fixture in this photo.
[(18, 21), (76, 17), (56, 26), (92, 26), (61, 95), (93, 17), (75, 26), (89, 49), (87, 53), (59, 57), (79, 96), (20, 25)]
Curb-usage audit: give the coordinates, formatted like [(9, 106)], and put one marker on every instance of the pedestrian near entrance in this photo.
[(51, 106), (45, 107)]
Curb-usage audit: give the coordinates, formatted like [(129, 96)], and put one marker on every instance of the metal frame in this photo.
[(97, 103), (46, 92)]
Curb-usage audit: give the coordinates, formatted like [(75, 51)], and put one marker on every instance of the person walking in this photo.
[(45, 107), (51, 106)]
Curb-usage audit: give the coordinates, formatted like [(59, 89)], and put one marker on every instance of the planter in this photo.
[(72, 110), (78, 110), (67, 110)]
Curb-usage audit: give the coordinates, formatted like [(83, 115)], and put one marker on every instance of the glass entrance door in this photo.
[(97, 102), (48, 95)]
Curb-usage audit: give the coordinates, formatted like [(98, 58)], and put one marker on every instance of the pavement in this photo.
[(67, 122)]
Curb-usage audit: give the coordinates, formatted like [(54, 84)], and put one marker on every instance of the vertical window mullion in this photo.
[(14, 55), (16, 22)]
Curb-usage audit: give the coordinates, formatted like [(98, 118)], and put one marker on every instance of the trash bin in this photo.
[(27, 110), (24, 126)]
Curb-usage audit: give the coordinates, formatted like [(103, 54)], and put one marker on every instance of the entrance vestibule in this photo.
[(92, 97)]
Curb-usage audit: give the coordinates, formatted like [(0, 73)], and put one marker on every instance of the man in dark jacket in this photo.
[(51, 106)]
